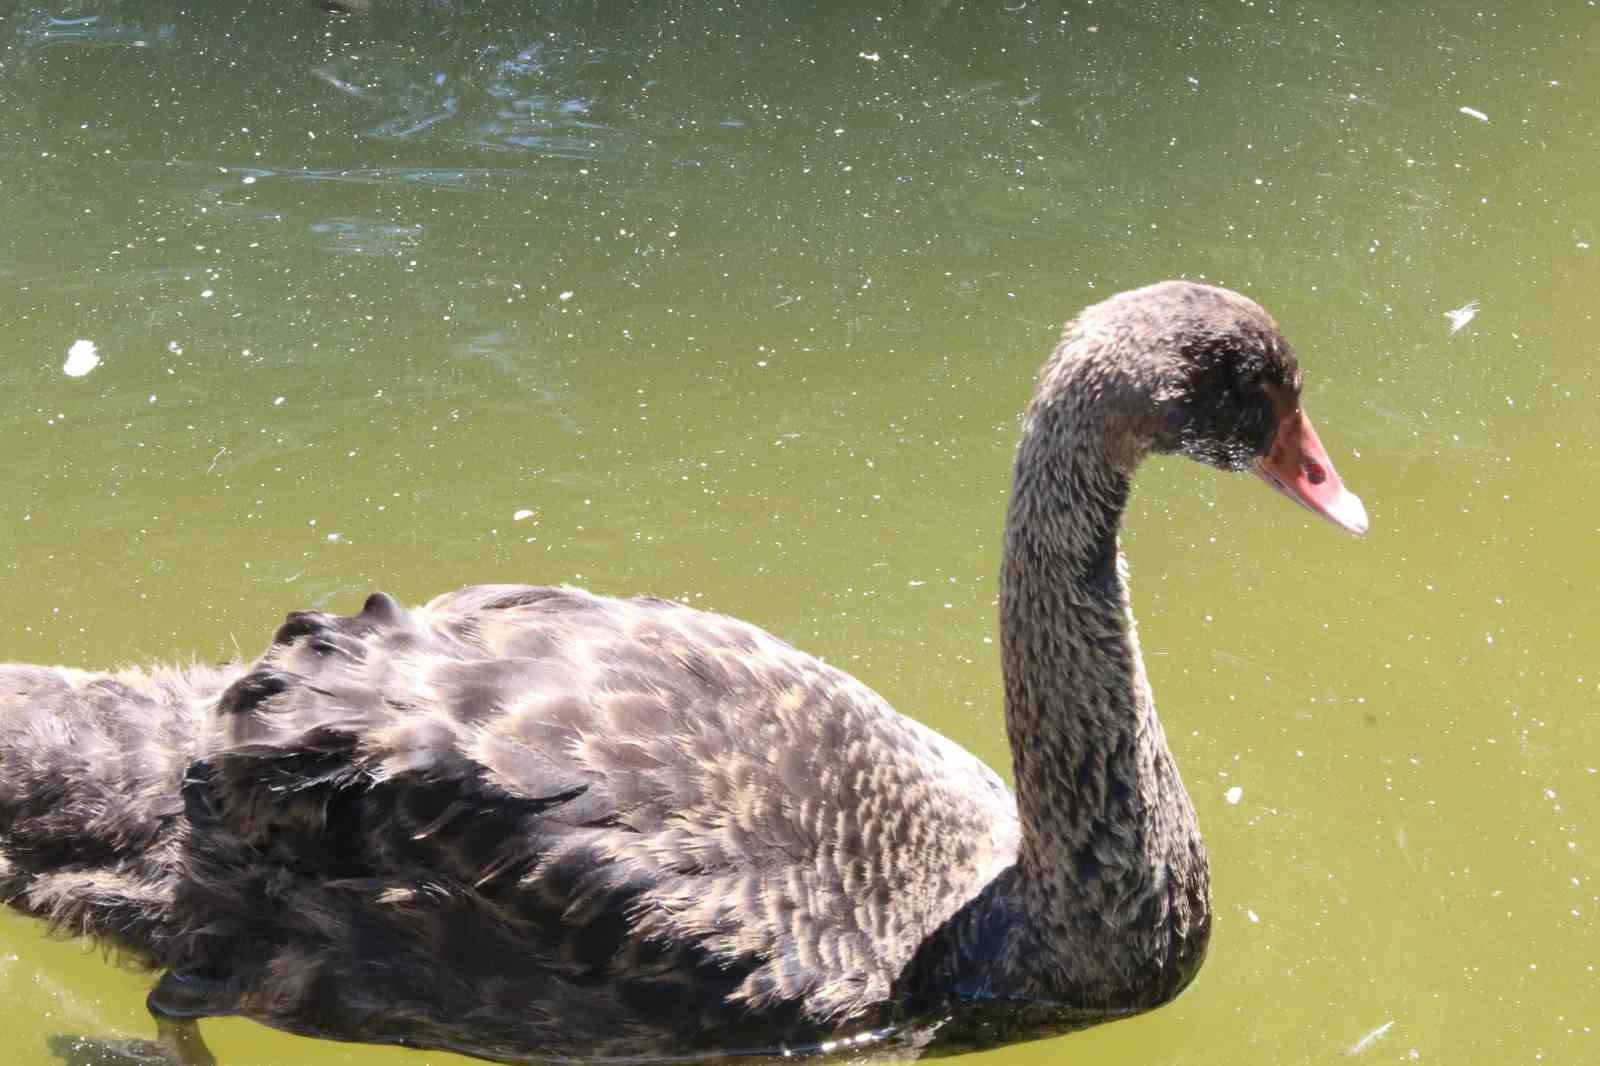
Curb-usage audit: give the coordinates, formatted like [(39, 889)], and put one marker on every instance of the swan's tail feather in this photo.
[(91, 767)]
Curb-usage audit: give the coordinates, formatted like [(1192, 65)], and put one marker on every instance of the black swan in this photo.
[(534, 823)]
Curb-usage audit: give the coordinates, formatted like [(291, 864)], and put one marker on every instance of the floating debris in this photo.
[(1462, 315), (1234, 795), (82, 357), (1366, 1042), (1472, 112), (522, 514)]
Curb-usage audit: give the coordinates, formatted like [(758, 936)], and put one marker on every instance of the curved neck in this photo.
[(1111, 874)]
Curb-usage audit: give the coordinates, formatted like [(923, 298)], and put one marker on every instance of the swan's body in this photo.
[(531, 822)]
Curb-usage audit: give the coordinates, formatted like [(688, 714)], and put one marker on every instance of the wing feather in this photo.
[(616, 792)]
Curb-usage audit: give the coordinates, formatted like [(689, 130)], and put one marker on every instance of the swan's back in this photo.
[(567, 817)]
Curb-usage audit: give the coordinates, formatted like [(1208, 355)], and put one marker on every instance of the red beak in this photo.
[(1299, 467)]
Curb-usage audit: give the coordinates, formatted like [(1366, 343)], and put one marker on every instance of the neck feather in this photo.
[(1111, 875)]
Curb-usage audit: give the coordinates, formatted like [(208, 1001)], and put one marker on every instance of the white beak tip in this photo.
[(1349, 514)]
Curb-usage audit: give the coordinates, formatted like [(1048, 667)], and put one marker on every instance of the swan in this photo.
[(539, 824)]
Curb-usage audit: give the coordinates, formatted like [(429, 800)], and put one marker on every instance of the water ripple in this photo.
[(469, 179), (38, 29), (366, 236), (549, 99)]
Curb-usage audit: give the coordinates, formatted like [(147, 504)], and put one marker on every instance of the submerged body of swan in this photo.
[(535, 823)]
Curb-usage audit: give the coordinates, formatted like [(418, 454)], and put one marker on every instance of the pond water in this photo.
[(737, 302)]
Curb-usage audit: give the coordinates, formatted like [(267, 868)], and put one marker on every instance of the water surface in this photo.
[(739, 302)]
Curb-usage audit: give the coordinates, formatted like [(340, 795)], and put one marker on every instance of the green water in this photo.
[(741, 300)]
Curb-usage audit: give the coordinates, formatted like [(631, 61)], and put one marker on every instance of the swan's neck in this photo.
[(1111, 876)]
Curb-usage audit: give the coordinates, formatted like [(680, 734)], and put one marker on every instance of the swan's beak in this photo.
[(1299, 467)]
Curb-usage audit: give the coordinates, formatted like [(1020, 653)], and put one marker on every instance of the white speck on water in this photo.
[(1234, 795), (1366, 1042), (82, 357), (1462, 315), (277, 401), (1253, 916), (152, 397), (206, 294), (871, 57), (334, 538), (1192, 80), (1472, 112), (248, 179), (522, 514), (174, 347), (564, 297)]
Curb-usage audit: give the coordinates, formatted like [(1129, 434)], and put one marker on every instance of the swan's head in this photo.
[(1205, 372)]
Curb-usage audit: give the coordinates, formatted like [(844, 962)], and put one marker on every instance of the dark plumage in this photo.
[(537, 823)]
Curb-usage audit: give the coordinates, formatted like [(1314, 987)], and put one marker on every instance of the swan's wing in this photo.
[(620, 782)]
